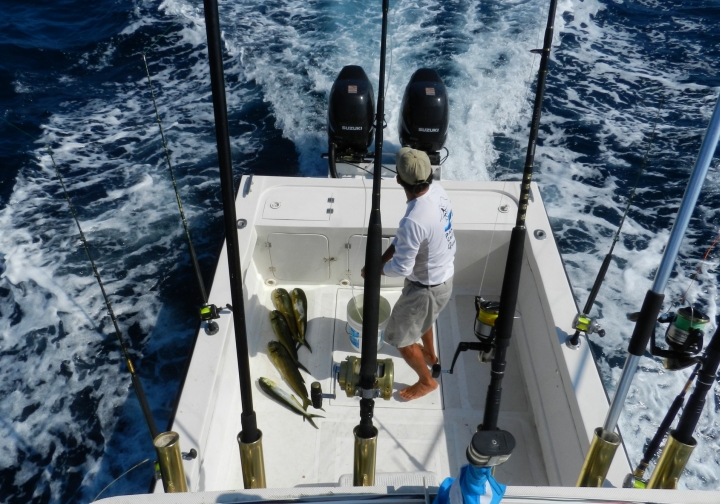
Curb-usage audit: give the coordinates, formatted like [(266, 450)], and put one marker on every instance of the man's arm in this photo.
[(406, 246), (387, 255)]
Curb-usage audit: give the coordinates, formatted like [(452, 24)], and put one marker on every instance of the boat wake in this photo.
[(69, 425)]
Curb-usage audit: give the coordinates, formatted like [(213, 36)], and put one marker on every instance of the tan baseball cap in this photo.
[(413, 165)]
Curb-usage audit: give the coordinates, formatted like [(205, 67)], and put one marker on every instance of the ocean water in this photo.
[(72, 80)]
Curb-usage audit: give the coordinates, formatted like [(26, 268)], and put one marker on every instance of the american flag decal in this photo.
[(429, 91), (352, 89)]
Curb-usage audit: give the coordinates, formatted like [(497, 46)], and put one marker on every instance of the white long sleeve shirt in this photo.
[(425, 242)]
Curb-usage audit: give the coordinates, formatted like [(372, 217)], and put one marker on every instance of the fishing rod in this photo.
[(250, 437), (167, 444), (208, 312), (582, 321), (365, 433), (684, 337), (492, 446), (681, 442), (140, 392), (605, 441), (634, 480)]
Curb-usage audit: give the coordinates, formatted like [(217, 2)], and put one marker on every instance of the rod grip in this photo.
[(705, 381), (646, 323)]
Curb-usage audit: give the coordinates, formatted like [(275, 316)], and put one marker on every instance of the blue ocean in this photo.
[(626, 78)]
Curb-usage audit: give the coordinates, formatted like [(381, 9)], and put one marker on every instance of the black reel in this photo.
[(425, 114), (486, 313), (351, 112), (684, 337), (490, 448)]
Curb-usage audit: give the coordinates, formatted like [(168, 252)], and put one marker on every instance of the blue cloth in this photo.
[(475, 485)]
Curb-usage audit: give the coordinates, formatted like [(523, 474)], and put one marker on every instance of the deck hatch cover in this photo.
[(483, 207), (356, 260), (299, 257), (296, 203)]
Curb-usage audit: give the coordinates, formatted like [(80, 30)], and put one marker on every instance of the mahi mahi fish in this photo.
[(282, 360), (299, 305), (282, 303), (282, 331), (286, 400)]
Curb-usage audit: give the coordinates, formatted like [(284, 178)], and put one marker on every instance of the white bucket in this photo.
[(354, 318)]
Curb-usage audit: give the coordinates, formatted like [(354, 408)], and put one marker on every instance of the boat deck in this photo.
[(308, 233), (427, 434)]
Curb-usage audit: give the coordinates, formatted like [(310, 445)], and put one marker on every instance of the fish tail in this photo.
[(302, 367), (306, 403), (310, 419)]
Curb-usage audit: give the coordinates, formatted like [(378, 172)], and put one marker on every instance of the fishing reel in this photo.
[(348, 376), (486, 313), (490, 448), (584, 323), (208, 313), (684, 337)]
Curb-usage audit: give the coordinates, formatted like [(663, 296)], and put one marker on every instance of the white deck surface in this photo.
[(428, 434), (551, 409)]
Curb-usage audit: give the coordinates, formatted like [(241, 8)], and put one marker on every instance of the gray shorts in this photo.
[(415, 312)]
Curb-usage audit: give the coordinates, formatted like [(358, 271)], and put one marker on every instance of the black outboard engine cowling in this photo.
[(351, 112), (424, 113)]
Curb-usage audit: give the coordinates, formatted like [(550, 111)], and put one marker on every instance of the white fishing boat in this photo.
[(311, 234), (308, 233)]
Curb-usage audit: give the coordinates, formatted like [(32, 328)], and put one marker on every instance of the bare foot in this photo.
[(418, 390)]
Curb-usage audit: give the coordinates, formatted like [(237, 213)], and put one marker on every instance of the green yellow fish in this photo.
[(286, 400)]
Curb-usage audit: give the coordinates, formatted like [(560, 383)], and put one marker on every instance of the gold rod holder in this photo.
[(672, 463), (167, 446), (253, 462), (364, 460), (598, 458)]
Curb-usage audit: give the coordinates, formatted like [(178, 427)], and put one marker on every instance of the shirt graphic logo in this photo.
[(446, 213)]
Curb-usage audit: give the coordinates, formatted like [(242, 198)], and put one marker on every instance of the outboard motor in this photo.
[(425, 114), (350, 116)]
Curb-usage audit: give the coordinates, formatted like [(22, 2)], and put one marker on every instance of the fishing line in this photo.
[(118, 478), (447, 155), (207, 312), (492, 237), (154, 432), (364, 234), (697, 271), (368, 171), (517, 147), (639, 174), (155, 40), (574, 340)]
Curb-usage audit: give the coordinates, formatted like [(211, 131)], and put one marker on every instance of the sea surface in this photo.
[(74, 89)]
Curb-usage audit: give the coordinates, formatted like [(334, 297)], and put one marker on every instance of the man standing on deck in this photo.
[(424, 252)]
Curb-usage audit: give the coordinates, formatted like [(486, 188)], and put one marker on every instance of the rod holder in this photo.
[(364, 459), (253, 462), (672, 462), (598, 458), (167, 446)]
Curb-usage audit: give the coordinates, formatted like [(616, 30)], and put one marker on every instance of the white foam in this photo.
[(602, 88)]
